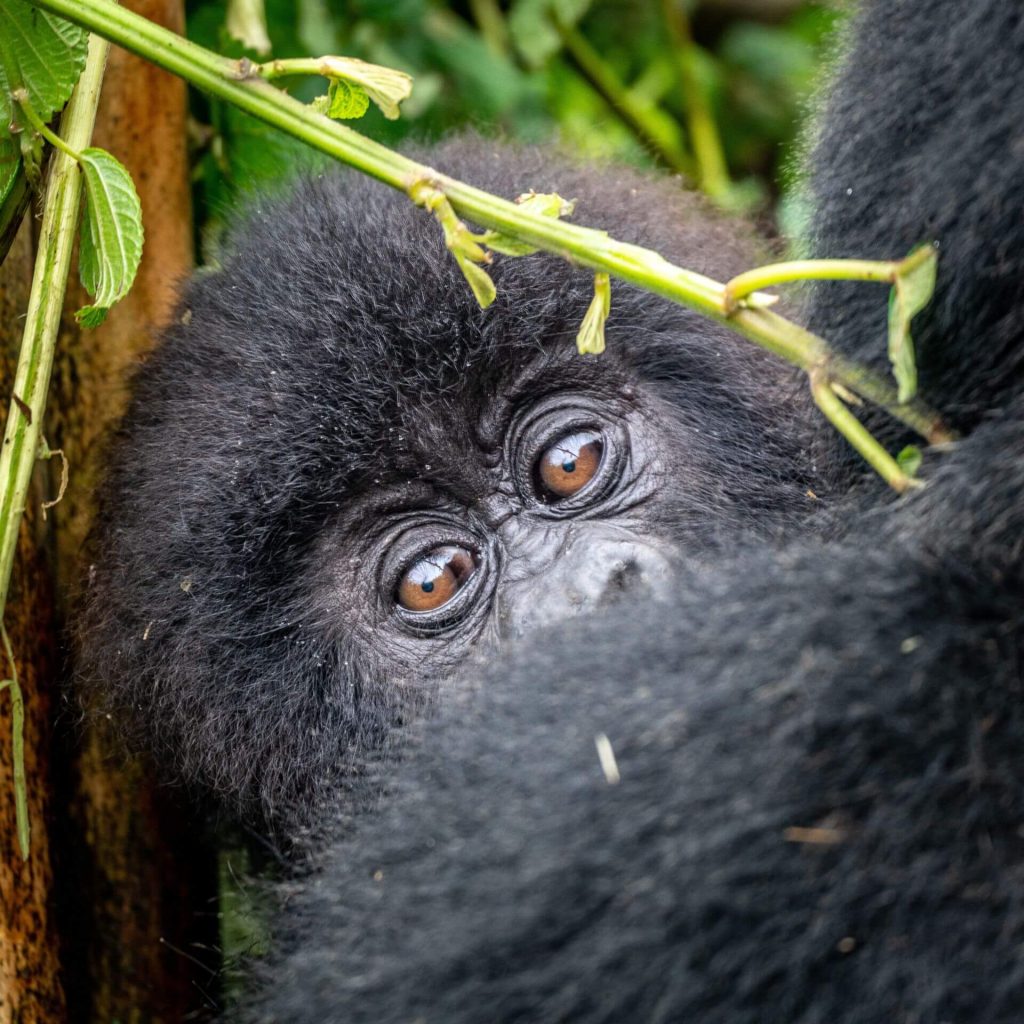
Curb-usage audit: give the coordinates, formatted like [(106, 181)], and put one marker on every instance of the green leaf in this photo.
[(911, 292), (111, 243), (14, 197), (909, 460), (386, 87), (343, 101), (479, 280), (546, 204), (461, 242), (10, 165), (590, 340), (40, 53), (246, 21), (507, 245)]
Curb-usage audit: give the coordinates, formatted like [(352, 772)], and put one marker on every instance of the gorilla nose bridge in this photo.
[(591, 573)]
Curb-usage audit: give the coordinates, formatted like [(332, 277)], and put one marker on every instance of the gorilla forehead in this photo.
[(339, 318)]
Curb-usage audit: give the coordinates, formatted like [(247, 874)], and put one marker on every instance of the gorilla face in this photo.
[(557, 500), (340, 477)]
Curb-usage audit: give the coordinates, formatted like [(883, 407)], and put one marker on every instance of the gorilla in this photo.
[(785, 786), (750, 751), (341, 480)]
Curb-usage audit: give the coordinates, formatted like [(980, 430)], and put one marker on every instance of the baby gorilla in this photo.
[(339, 477), (793, 794)]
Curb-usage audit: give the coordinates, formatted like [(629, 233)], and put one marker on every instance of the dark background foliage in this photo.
[(503, 68)]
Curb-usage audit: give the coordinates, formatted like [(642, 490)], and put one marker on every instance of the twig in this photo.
[(858, 435), (586, 247), (49, 282)]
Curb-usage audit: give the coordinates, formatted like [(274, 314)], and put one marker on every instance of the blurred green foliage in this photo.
[(502, 66)]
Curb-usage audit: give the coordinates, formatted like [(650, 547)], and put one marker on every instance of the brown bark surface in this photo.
[(30, 989), (140, 890)]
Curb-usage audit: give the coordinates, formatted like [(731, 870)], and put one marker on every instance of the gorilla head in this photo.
[(339, 476), (793, 794)]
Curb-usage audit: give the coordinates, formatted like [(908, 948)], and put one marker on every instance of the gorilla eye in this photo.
[(433, 580), (566, 467)]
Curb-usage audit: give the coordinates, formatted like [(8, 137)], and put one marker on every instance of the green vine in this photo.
[(232, 81), (22, 436)]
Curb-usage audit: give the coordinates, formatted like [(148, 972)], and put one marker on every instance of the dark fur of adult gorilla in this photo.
[(333, 437), (816, 807)]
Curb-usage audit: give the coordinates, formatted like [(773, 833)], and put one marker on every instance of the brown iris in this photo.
[(570, 464), (433, 580)]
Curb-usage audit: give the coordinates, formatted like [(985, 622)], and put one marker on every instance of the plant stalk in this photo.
[(586, 247), (42, 320), (23, 431), (858, 435)]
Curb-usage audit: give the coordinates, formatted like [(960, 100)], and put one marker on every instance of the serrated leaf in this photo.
[(111, 242), (91, 316), (911, 292), (909, 460), (590, 340), (38, 52), (386, 87), (345, 101)]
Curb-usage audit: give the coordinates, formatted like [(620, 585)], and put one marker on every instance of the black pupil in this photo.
[(568, 467), (427, 586)]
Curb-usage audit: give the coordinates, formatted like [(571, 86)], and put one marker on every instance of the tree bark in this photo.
[(138, 887), (30, 988)]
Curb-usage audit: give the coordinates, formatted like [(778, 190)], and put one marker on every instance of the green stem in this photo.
[(639, 116), (272, 69), (584, 246), (713, 173), (858, 435), (20, 96), (750, 281), (49, 281), (22, 824)]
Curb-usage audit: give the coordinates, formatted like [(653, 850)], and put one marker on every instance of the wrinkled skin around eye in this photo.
[(433, 580), (569, 465)]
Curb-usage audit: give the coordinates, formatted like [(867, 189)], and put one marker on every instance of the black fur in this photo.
[(921, 142), (867, 691), (820, 815), (339, 350)]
